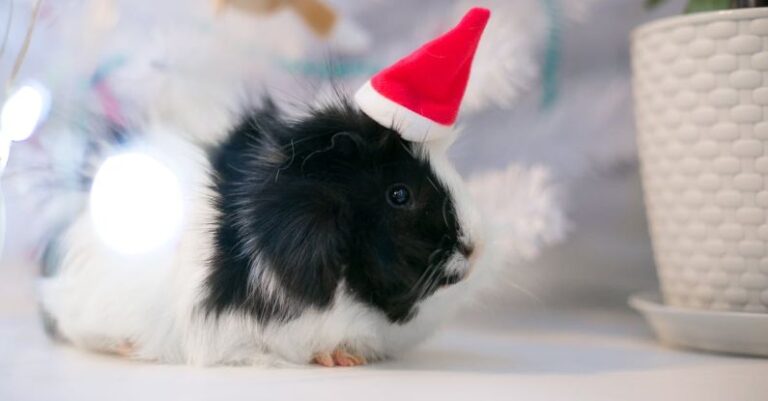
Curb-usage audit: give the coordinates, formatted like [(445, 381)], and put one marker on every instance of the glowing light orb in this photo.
[(23, 111), (136, 203), (2, 221), (5, 150)]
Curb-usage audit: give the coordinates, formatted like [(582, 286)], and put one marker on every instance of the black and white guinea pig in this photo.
[(326, 238)]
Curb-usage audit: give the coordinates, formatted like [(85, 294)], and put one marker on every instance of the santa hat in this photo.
[(420, 94)]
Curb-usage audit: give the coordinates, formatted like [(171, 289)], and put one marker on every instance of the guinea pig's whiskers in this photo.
[(445, 212), (433, 184), (407, 149), (421, 279), (416, 287), (526, 292), (435, 253), (431, 283), (429, 279)]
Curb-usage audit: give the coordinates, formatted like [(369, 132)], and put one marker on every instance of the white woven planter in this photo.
[(701, 104)]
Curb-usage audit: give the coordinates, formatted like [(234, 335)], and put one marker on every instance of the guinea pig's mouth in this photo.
[(456, 269)]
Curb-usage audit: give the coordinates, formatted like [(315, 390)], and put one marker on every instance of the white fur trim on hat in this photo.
[(411, 126)]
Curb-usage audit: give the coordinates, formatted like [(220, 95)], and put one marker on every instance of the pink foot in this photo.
[(124, 349), (338, 357)]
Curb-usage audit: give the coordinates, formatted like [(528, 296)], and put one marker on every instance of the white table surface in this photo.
[(537, 354)]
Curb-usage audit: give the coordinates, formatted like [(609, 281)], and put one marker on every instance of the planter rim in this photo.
[(695, 18)]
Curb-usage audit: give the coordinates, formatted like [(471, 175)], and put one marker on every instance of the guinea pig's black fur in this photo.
[(312, 203)]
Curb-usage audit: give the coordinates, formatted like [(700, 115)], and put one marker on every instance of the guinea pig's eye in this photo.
[(398, 195)]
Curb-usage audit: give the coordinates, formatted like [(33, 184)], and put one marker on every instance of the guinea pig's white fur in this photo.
[(145, 307)]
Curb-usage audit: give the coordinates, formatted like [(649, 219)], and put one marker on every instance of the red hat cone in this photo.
[(420, 95)]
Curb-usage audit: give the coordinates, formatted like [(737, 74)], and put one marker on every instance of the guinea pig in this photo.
[(327, 238)]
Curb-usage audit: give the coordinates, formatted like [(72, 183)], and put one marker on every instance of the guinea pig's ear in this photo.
[(346, 144), (343, 147), (304, 239)]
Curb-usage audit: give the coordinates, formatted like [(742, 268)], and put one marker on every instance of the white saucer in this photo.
[(730, 332)]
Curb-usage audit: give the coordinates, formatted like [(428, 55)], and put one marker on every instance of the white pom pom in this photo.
[(522, 207)]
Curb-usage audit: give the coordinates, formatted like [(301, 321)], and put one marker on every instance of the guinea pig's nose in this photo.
[(466, 249)]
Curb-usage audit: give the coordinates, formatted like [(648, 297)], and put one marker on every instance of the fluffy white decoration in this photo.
[(523, 210), (349, 37), (508, 59), (173, 61)]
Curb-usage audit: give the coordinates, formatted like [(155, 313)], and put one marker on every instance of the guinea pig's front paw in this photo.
[(339, 357)]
